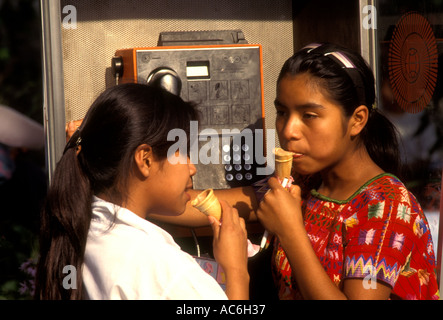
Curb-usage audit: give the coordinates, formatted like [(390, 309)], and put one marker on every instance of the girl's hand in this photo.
[(231, 251), (280, 210), (70, 128), (230, 238)]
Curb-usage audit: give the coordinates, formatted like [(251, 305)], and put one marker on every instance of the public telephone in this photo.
[(226, 82)]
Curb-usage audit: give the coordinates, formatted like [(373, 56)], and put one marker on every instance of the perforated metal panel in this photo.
[(105, 26)]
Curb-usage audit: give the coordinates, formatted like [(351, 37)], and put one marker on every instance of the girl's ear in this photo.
[(358, 120), (143, 159)]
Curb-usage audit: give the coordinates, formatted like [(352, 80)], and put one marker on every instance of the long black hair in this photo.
[(98, 159), (349, 81)]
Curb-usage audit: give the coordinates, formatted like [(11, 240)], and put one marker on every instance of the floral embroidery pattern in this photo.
[(380, 229)]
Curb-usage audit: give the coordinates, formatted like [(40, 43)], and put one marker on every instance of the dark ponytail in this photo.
[(64, 228), (380, 139), (349, 81), (98, 159)]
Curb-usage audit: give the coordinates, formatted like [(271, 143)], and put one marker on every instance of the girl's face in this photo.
[(172, 181), (310, 125)]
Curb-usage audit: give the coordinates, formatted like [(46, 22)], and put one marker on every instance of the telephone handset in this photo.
[(167, 79)]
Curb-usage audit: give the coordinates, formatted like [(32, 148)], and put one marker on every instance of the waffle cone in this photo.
[(208, 203), (283, 163)]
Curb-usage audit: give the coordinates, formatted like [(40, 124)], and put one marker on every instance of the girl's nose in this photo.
[(192, 168), (291, 129)]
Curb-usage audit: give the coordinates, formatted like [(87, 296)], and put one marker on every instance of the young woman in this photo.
[(359, 234), (349, 229), (114, 172)]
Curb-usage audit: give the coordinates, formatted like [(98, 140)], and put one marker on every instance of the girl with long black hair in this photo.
[(115, 172), (359, 233), (347, 228)]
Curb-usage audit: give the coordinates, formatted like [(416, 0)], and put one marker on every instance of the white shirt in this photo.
[(132, 258)]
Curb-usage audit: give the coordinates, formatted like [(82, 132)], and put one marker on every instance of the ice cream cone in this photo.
[(283, 163), (208, 203)]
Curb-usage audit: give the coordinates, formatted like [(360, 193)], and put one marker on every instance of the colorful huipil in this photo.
[(379, 234)]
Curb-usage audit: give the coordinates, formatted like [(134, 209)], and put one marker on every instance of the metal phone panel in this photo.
[(226, 83)]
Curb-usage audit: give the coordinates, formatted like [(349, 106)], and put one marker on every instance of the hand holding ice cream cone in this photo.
[(283, 168), (208, 203)]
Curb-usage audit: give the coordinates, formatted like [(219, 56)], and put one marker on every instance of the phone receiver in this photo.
[(166, 78)]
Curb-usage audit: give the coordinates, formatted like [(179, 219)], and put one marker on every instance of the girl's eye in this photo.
[(310, 116), (280, 113)]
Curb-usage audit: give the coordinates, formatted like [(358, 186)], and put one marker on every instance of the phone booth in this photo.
[(226, 55), (226, 83)]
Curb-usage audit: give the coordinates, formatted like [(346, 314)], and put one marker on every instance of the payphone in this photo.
[(226, 83)]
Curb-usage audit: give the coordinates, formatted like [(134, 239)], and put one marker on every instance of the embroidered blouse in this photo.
[(380, 234)]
